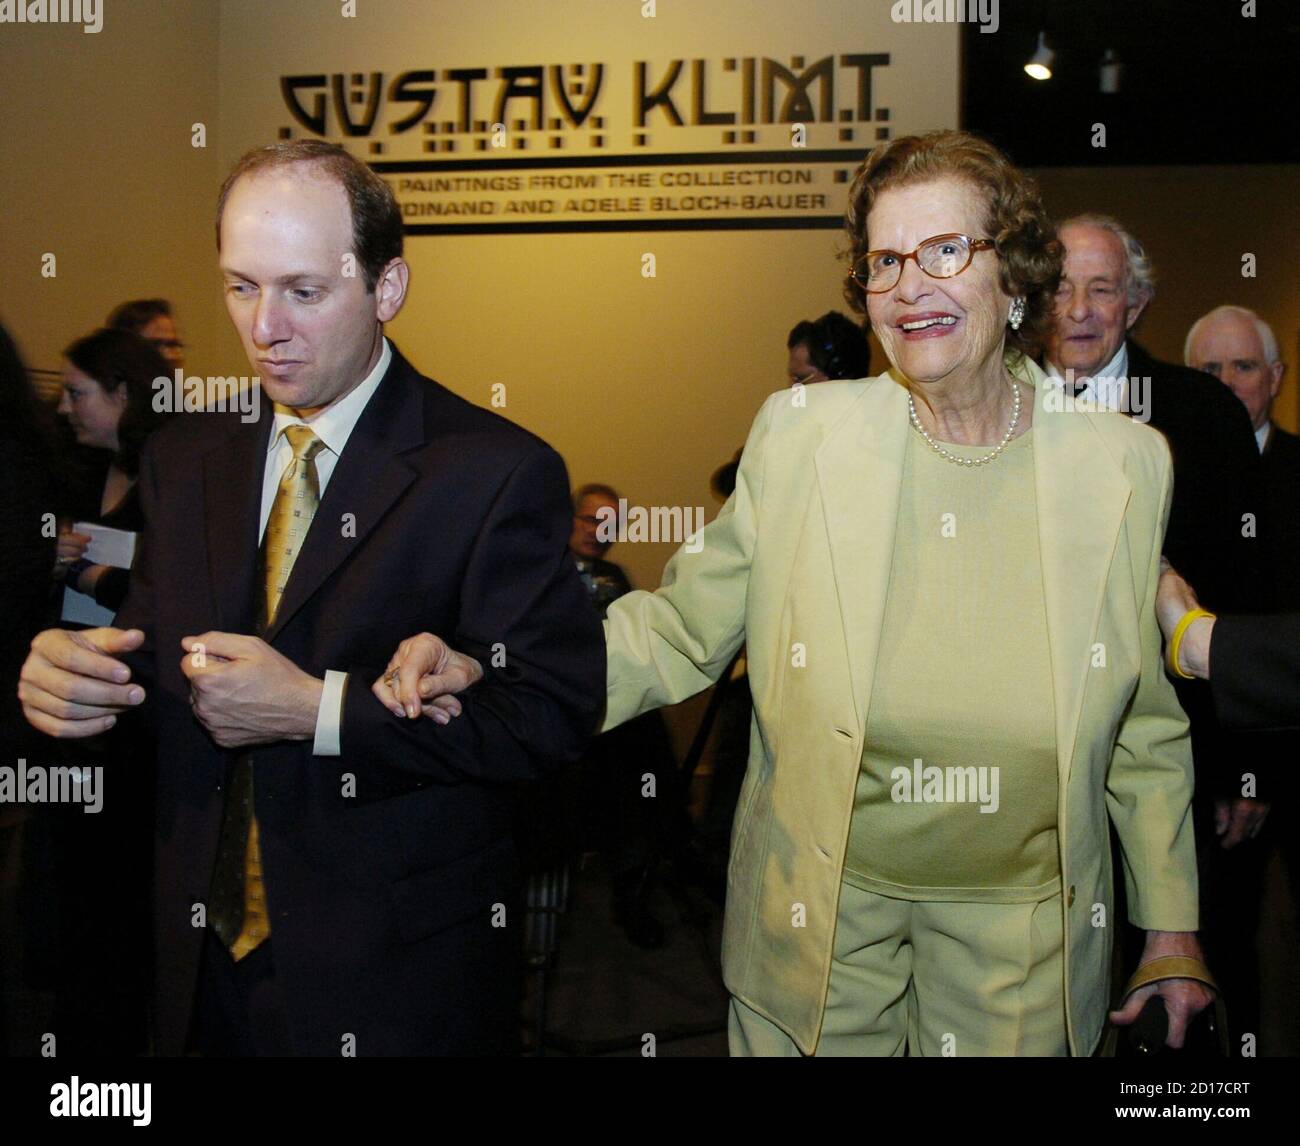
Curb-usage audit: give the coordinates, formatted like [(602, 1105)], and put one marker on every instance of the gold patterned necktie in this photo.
[(238, 908)]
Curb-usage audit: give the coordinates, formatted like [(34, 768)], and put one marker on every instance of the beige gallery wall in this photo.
[(646, 383), (97, 167)]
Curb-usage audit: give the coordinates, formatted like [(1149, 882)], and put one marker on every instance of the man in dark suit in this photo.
[(333, 877), (1256, 677), (1240, 349), (1281, 460), (1211, 538)]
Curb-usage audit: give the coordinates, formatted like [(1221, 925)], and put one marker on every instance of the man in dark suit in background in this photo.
[(1211, 540), (1240, 349), (334, 878)]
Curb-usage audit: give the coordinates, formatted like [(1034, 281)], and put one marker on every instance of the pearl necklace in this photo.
[(938, 449)]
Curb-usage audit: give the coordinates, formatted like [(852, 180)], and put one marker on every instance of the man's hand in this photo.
[(1174, 600), (423, 676), (1238, 819), (1184, 998), (71, 686), (244, 692)]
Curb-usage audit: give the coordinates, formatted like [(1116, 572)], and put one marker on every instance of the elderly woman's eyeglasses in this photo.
[(940, 257)]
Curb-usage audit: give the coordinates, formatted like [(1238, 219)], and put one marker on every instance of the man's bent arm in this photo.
[(525, 617)]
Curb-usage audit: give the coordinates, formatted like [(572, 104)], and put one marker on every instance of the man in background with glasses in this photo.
[(152, 319)]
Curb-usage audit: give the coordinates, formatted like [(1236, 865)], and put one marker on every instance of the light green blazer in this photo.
[(800, 555)]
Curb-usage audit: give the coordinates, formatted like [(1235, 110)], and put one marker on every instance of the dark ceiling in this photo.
[(1201, 82)]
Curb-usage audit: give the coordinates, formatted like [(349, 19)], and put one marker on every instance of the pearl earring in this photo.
[(1017, 313)]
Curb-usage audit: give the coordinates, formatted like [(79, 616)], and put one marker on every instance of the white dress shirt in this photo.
[(333, 426), (1261, 435), (1113, 379)]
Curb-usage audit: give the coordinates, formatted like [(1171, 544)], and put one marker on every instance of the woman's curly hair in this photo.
[(1029, 253)]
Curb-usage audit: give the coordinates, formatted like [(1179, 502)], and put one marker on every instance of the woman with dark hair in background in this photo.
[(108, 399), (102, 862)]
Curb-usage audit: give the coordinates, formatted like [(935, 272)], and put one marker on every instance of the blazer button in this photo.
[(1069, 897)]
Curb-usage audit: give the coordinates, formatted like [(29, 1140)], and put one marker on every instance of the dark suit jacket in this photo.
[(1255, 671), (25, 583), (383, 866), (1281, 533), (1217, 480), (1279, 539)]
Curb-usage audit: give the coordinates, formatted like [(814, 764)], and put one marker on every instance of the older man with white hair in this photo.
[(1240, 349), (1106, 284)]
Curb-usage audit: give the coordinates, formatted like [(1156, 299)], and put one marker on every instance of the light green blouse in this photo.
[(957, 794)]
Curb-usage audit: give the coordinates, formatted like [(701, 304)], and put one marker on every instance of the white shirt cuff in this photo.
[(329, 717)]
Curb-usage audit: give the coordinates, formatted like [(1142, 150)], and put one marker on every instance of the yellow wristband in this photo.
[(1176, 641), (1170, 967)]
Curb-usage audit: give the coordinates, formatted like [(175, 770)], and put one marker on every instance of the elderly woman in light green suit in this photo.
[(945, 581)]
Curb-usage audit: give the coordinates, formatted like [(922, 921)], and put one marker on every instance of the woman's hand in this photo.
[(1184, 998), (89, 578), (1174, 600), (71, 546), (423, 676)]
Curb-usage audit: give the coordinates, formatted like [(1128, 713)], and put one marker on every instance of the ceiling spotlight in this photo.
[(1039, 65), (1109, 72)]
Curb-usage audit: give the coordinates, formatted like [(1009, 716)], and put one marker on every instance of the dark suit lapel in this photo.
[(369, 477), (232, 499), (1142, 366), (1269, 452)]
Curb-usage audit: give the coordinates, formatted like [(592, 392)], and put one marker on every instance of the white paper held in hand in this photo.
[(107, 546)]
